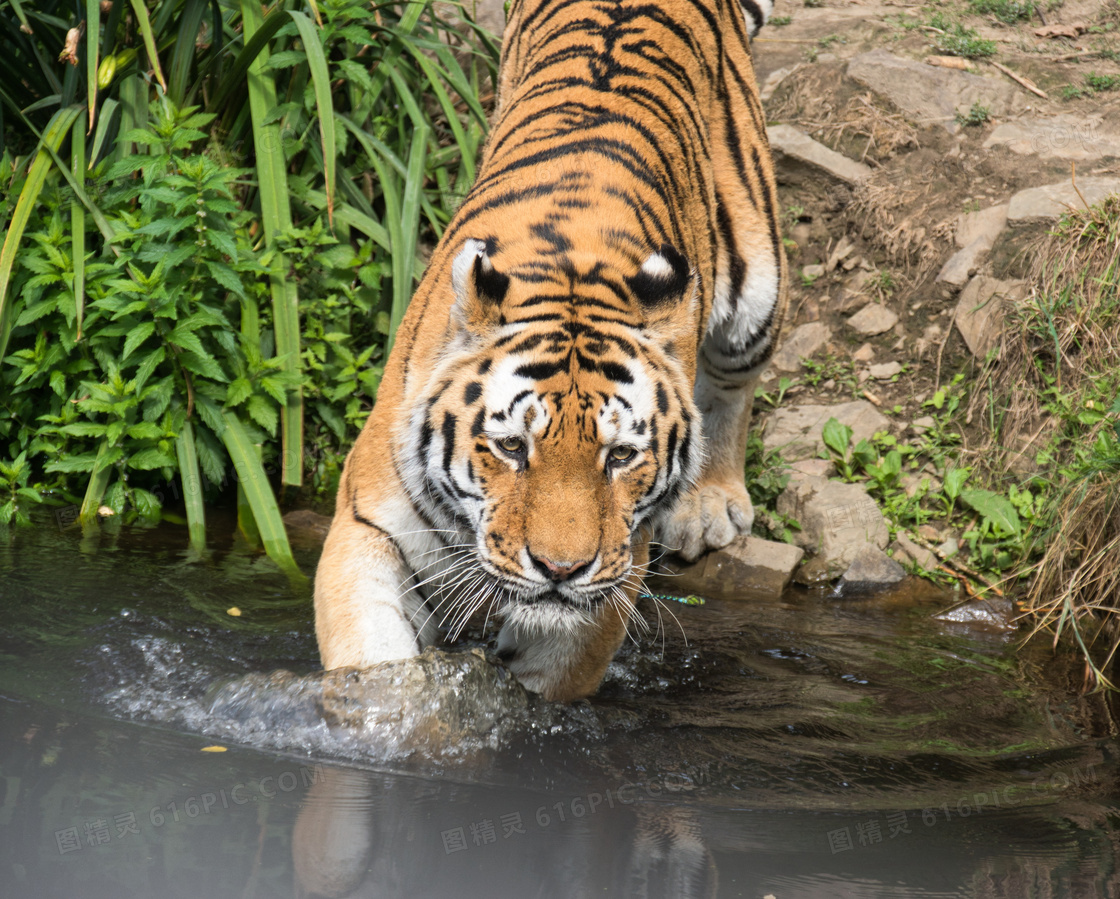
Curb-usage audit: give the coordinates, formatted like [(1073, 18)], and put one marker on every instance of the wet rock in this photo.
[(307, 528), (1062, 136), (989, 614), (907, 551), (928, 94), (434, 705), (872, 319), (747, 565), (884, 371), (837, 521), (981, 309), (796, 430), (799, 158), (1042, 204), (871, 570), (801, 343)]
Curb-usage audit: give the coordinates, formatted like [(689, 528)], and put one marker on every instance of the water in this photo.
[(804, 747)]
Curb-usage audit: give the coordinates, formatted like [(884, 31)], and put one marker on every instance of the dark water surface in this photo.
[(809, 747)]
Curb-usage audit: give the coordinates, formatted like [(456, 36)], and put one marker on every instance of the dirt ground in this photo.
[(925, 172)]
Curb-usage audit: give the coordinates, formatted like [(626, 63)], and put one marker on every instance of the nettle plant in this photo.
[(165, 363)]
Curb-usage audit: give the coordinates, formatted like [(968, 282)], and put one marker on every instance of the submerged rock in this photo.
[(435, 704)]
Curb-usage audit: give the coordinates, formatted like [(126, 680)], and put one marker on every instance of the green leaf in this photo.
[(57, 129), (136, 337), (954, 481), (837, 437), (192, 486), (239, 391), (258, 492), (997, 509)]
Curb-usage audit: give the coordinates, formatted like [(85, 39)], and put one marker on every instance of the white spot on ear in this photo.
[(657, 266), (461, 267)]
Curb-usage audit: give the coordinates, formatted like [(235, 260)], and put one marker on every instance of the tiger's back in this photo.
[(577, 365)]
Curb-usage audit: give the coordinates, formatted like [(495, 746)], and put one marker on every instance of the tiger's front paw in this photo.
[(708, 517)]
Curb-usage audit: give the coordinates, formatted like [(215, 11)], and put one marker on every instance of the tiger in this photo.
[(574, 376)]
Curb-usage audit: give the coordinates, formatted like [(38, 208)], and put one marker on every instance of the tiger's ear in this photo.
[(665, 289), (479, 287)]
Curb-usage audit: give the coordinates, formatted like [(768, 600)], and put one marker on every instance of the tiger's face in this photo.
[(558, 431)]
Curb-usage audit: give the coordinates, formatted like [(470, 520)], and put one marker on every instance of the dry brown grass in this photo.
[(892, 207), (1059, 377)]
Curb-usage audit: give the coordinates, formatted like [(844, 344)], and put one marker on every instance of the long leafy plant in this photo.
[(212, 218)]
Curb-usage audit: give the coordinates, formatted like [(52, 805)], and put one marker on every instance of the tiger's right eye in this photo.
[(512, 445)]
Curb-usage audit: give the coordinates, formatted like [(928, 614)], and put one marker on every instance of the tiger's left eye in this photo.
[(621, 454)]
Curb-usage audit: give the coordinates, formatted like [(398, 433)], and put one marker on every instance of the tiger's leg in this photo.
[(365, 608), (747, 309)]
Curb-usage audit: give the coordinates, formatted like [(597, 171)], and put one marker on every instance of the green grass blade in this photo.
[(390, 195), (192, 487), (95, 489), (276, 217), (258, 492), (78, 222), (149, 40), (61, 122), (190, 21), (104, 123), (25, 26), (410, 222), (351, 217), (234, 79), (93, 29), (321, 82)]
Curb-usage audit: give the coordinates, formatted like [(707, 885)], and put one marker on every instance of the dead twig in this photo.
[(1020, 79), (1073, 178)]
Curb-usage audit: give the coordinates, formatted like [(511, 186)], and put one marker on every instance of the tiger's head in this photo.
[(557, 425)]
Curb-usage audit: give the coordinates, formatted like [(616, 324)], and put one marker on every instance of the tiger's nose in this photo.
[(558, 571)]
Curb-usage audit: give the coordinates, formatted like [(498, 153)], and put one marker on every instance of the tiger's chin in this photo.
[(551, 612)]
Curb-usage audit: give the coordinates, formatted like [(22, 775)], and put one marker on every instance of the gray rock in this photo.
[(1063, 136), (796, 430), (976, 232), (1042, 204), (812, 271), (837, 521), (981, 309), (885, 370), (746, 567), (931, 94), (864, 354), (816, 468), (871, 570), (774, 80), (801, 343), (920, 425), (872, 319), (906, 550), (987, 223), (963, 264), (949, 548), (797, 158)]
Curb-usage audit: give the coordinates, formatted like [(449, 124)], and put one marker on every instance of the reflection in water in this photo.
[(806, 747), (355, 838)]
